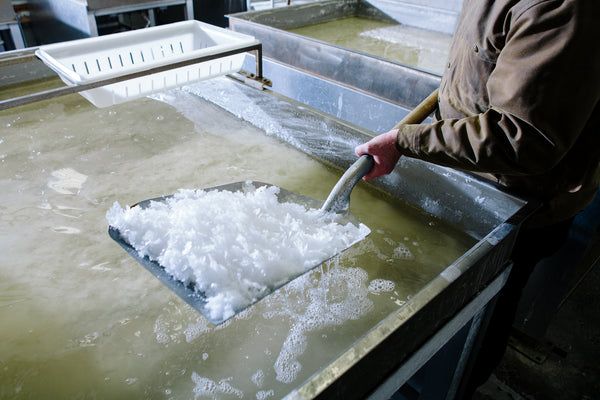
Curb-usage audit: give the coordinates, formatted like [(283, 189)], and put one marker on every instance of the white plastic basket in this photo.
[(94, 59)]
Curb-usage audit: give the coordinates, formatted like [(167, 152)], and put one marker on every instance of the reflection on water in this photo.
[(82, 319)]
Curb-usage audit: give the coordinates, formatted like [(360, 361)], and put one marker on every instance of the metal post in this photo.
[(258, 57)]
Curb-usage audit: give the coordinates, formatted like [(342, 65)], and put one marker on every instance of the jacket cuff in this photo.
[(405, 140), (397, 143)]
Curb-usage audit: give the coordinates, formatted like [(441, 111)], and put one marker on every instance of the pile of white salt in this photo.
[(233, 247)]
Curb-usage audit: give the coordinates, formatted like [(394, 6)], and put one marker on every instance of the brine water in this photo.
[(82, 319), (415, 47)]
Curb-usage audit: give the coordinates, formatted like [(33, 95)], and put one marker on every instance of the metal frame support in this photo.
[(62, 91), (473, 315), (256, 80), (15, 33)]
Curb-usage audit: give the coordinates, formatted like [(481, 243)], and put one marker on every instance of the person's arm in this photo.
[(541, 92)]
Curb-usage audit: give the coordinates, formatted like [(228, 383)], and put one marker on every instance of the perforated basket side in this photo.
[(135, 88), (93, 59), (129, 59)]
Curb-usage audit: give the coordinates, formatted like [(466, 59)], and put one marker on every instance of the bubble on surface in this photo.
[(402, 252), (378, 286), (89, 340), (207, 388), (287, 367), (338, 295), (195, 330), (265, 394), (167, 329), (244, 314), (258, 378)]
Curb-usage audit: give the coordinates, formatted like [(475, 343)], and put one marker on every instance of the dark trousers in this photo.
[(531, 246)]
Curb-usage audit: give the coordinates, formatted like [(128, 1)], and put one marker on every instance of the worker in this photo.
[(519, 101)]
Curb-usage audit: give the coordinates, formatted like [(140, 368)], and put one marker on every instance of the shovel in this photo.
[(337, 202)]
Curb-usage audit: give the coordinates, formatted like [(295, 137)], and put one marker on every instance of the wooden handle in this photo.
[(422, 111)]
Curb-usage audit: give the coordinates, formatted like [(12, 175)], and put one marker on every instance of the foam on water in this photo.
[(378, 286), (338, 296), (258, 378), (403, 252), (264, 394), (208, 388), (233, 247)]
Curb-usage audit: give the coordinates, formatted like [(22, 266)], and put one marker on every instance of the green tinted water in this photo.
[(407, 45), (81, 319)]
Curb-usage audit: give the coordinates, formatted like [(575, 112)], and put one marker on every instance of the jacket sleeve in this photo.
[(542, 90)]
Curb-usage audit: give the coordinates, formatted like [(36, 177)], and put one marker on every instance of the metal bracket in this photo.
[(255, 81)]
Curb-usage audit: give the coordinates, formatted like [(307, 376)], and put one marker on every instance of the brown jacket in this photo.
[(520, 100)]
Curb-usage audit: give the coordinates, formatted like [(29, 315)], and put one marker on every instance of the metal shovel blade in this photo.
[(338, 202)]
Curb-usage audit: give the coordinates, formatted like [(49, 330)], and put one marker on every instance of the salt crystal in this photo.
[(233, 247)]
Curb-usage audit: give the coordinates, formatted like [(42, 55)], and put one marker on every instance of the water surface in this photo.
[(420, 48), (81, 319)]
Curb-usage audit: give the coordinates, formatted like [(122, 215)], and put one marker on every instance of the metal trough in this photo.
[(389, 80), (474, 208)]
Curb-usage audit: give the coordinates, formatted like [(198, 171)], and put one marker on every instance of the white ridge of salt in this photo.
[(234, 247)]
